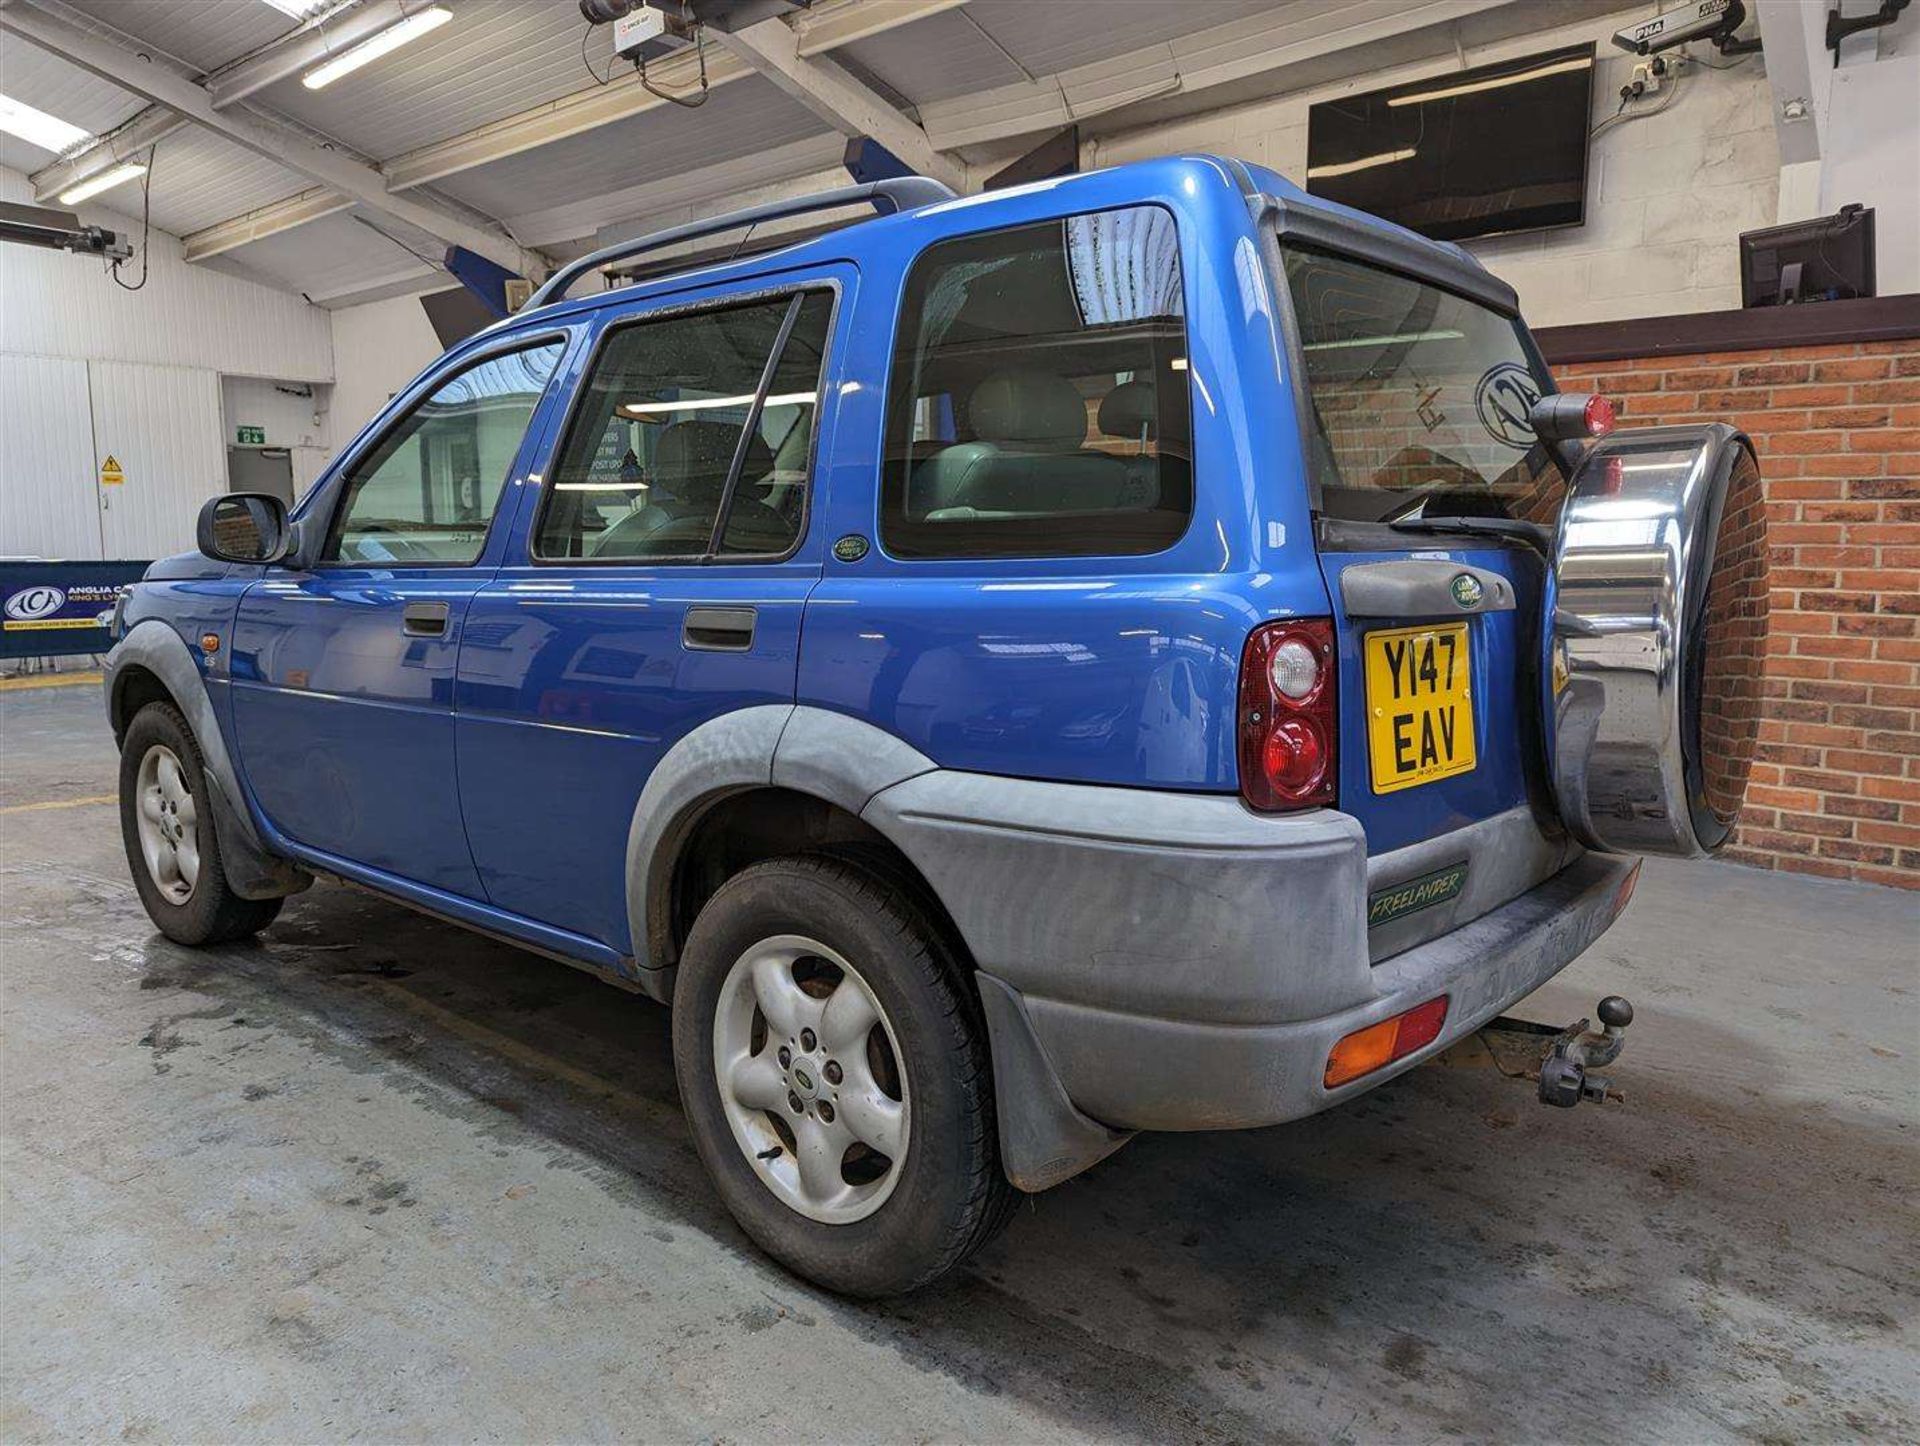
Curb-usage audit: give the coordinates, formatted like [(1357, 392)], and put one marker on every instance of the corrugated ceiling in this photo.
[(499, 58), (736, 119), (496, 58), (205, 34)]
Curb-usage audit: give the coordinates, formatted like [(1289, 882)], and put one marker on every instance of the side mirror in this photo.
[(246, 527)]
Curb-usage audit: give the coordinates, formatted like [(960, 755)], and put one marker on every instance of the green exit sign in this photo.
[(252, 436)]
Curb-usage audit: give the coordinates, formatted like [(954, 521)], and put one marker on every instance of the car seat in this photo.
[(691, 460), (1026, 459)]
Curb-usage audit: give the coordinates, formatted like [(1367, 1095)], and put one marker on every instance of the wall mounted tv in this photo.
[(1472, 153)]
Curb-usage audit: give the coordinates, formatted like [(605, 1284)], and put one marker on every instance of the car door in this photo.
[(658, 583), (343, 671)]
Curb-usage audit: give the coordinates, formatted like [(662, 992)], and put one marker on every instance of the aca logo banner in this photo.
[(34, 604), (50, 609)]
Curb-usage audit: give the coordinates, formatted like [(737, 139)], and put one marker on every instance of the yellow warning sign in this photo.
[(111, 474)]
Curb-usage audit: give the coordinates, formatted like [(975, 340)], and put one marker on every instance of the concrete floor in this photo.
[(376, 1178)]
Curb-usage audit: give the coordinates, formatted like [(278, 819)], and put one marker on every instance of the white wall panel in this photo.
[(1667, 195), (162, 424), (380, 347), (54, 304), (289, 421), (300, 424), (46, 460)]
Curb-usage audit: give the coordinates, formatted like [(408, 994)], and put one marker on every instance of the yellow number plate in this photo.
[(1419, 705)]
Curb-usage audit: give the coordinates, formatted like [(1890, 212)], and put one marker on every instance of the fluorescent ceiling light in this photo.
[(392, 38), (1473, 87), (37, 128), (299, 9), (707, 404), (1365, 163), (105, 181), (1391, 339)]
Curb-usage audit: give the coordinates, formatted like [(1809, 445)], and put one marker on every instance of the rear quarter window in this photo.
[(1038, 396), (1419, 399)]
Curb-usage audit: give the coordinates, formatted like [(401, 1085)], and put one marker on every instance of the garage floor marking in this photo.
[(528, 1057), (61, 803), (47, 680)]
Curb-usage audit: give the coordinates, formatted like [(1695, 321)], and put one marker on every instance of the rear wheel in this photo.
[(835, 1073), (168, 829)]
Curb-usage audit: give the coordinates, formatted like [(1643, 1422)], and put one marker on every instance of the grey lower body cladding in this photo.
[(1176, 962)]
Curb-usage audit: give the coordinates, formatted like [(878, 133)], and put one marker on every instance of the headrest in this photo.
[(1130, 409), (698, 454), (1033, 408)]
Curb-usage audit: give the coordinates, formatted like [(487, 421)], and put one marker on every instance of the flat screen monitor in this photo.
[(1828, 259), (1472, 153)]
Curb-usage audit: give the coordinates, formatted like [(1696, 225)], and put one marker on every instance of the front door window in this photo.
[(426, 493)]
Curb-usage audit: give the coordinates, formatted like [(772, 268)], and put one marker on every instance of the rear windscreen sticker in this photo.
[(1504, 401)]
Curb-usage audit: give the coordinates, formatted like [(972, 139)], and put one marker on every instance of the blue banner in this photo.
[(53, 609)]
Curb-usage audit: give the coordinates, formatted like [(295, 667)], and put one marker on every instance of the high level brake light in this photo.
[(1289, 729)]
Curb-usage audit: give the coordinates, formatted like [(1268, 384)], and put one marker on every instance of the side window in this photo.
[(428, 489), (1038, 405), (673, 425)]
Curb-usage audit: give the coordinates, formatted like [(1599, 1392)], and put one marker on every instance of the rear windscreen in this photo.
[(1419, 399)]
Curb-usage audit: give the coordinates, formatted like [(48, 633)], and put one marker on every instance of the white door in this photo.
[(47, 472), (162, 426)]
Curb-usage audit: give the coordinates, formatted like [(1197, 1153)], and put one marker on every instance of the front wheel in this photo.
[(168, 829), (835, 1073)]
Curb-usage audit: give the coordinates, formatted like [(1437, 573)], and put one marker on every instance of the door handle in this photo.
[(424, 619), (718, 630)]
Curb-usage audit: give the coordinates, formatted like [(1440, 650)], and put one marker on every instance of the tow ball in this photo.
[(1566, 1074)]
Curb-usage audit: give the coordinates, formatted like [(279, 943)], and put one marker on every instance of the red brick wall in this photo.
[(1836, 789)]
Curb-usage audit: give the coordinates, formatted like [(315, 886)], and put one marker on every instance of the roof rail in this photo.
[(902, 192)]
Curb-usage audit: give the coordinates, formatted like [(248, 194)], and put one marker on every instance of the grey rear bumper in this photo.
[(1143, 1073), (1177, 962)]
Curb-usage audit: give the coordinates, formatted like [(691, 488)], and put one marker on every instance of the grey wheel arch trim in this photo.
[(808, 750), (252, 872), (1043, 1138)]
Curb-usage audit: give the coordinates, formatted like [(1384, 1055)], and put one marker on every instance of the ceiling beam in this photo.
[(822, 30), (1262, 46), (292, 53), (354, 179), (837, 96), (263, 221), (123, 143), (685, 195), (317, 40)]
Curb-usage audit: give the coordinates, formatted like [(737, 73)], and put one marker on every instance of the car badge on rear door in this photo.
[(1467, 590)]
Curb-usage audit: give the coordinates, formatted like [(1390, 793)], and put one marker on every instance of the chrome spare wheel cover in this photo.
[(1659, 639), (169, 824), (811, 1078)]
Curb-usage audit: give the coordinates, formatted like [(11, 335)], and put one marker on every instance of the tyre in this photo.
[(834, 1070), (168, 828)]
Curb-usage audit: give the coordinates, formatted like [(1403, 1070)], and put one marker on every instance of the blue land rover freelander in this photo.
[(1149, 650)]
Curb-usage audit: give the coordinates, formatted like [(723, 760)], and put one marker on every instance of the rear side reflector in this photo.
[(1378, 1045)]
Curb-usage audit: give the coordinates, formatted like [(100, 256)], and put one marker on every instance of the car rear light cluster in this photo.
[(1289, 729)]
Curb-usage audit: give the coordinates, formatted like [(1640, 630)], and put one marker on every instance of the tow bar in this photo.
[(1565, 1071)]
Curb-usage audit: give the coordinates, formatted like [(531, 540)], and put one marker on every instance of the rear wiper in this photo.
[(1532, 534)]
